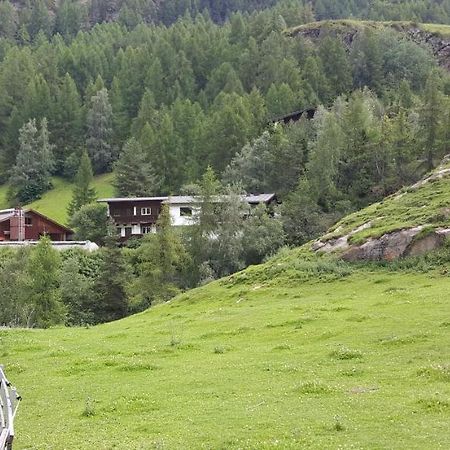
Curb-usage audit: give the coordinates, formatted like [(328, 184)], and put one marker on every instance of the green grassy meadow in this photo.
[(291, 354), (54, 203)]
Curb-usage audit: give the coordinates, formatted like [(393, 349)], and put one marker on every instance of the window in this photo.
[(28, 221), (146, 211), (146, 229), (185, 212)]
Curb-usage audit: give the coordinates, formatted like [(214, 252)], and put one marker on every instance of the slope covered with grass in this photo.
[(296, 353), (54, 203), (427, 203)]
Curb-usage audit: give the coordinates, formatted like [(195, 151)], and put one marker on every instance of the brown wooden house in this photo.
[(134, 216), (29, 225)]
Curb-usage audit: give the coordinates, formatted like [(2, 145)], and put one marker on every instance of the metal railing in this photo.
[(9, 402)]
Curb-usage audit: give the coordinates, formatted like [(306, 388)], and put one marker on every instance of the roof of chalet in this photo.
[(189, 199), (6, 214), (131, 199)]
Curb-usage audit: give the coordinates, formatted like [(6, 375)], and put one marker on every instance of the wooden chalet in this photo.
[(137, 216), (29, 225), (134, 216)]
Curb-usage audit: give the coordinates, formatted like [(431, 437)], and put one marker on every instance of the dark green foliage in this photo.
[(91, 222), (263, 235), (134, 176), (432, 114), (14, 307), (158, 265), (111, 300), (41, 285), (30, 176), (99, 132), (83, 193)]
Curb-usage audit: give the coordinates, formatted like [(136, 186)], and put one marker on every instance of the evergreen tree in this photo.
[(30, 176), (40, 20), (42, 284), (159, 259), (77, 292), (263, 235), (8, 20), (111, 303), (198, 235), (431, 119), (134, 176), (99, 132), (83, 193), (336, 66), (227, 254), (323, 164), (91, 223), (67, 127), (70, 17)]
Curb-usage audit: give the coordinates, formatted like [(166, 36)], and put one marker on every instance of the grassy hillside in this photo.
[(425, 203), (291, 354), (55, 202)]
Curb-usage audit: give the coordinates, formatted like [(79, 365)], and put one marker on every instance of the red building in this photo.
[(29, 225)]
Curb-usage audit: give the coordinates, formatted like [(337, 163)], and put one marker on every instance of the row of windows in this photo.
[(147, 211), (145, 229)]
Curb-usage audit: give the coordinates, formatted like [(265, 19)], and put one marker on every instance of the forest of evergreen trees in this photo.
[(182, 103)]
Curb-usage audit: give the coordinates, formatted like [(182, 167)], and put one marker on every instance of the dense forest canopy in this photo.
[(64, 15)]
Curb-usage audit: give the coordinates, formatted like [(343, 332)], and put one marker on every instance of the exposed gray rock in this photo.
[(340, 243), (388, 247)]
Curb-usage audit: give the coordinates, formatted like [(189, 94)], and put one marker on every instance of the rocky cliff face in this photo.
[(439, 46), (347, 30)]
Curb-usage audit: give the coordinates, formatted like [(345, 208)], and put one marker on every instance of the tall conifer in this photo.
[(83, 193)]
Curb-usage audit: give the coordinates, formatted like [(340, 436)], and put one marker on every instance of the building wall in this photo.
[(29, 227), (131, 213), (39, 226), (179, 219)]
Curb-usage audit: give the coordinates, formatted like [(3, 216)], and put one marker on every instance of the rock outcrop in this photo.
[(389, 247), (347, 31), (397, 243)]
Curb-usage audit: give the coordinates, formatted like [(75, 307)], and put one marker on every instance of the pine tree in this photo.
[(42, 284), (68, 125), (112, 302), (134, 176), (40, 20), (30, 176), (99, 130), (8, 20), (159, 258), (431, 119), (83, 193)]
